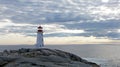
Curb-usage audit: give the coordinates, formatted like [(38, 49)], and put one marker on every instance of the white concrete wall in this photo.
[(39, 40)]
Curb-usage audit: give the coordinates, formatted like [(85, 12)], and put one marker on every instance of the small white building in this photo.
[(39, 42)]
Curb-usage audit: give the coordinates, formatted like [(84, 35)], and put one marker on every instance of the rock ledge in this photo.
[(42, 57)]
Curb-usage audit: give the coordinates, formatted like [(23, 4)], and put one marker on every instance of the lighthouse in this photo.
[(39, 42)]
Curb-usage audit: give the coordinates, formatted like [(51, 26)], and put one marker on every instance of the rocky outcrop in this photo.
[(42, 57)]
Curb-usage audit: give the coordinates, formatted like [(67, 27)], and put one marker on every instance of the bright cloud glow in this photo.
[(72, 31), (55, 28), (5, 22), (65, 31), (105, 1), (119, 30)]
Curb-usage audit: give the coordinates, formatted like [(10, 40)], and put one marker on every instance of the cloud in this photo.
[(61, 18), (101, 29), (13, 39), (52, 11), (80, 40), (5, 22), (118, 30)]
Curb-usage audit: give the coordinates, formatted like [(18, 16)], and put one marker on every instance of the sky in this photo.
[(63, 21)]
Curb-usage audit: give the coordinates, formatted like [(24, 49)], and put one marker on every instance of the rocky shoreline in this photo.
[(42, 57)]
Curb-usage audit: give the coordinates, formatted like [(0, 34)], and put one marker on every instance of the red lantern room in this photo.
[(40, 29)]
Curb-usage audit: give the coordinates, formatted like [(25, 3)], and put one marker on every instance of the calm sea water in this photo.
[(104, 55)]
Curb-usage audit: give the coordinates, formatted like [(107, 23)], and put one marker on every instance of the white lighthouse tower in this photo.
[(39, 42)]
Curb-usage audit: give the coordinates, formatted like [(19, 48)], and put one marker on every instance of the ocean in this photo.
[(106, 55)]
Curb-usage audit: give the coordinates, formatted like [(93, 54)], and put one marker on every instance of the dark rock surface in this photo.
[(42, 57)]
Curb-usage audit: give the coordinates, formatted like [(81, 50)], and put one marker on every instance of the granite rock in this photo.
[(42, 57)]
